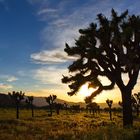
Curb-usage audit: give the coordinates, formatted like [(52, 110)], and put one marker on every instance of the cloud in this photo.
[(5, 86), (12, 79), (51, 56), (8, 78), (49, 75), (46, 11)]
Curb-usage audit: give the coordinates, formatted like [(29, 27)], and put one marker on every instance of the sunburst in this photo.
[(85, 91)]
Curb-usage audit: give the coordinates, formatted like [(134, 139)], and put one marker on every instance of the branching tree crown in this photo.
[(50, 99), (17, 96), (29, 100), (109, 48), (109, 103)]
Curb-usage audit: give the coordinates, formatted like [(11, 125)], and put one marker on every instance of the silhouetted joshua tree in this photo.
[(50, 100), (92, 106), (17, 97), (29, 101), (136, 102), (58, 106), (120, 104), (75, 108), (66, 107), (109, 103), (109, 48)]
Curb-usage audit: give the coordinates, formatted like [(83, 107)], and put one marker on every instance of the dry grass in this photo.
[(79, 126)]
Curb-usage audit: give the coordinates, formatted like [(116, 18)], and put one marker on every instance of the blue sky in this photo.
[(32, 39)]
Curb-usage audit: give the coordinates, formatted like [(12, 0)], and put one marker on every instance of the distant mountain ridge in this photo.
[(5, 100)]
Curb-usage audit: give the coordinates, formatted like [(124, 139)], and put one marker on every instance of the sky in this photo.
[(33, 34)]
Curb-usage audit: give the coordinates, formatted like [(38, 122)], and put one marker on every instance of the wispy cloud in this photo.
[(8, 78), (49, 75), (46, 11), (49, 57), (5, 86), (12, 79)]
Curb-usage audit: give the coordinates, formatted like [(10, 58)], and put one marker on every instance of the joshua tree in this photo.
[(29, 101), (75, 108), (120, 104), (109, 103), (109, 48), (93, 107), (17, 97), (58, 106), (65, 106), (136, 102), (50, 100)]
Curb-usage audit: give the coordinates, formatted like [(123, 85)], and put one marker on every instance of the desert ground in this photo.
[(65, 126)]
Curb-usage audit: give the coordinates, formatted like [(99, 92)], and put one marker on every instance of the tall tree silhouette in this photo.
[(29, 101), (109, 48), (17, 97), (109, 103), (50, 100), (136, 102)]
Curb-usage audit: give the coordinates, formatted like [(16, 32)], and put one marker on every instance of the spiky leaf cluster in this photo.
[(50, 99), (109, 102), (136, 100)]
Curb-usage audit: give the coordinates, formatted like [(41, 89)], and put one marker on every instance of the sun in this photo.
[(85, 91)]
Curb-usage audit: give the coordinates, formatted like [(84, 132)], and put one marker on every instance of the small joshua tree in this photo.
[(109, 103), (50, 100), (92, 106), (58, 106), (120, 104), (29, 101), (17, 97), (66, 107), (136, 102)]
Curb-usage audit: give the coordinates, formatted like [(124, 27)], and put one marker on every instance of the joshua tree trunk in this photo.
[(17, 111), (50, 110), (127, 108), (110, 113), (93, 111), (57, 111), (32, 110), (137, 110)]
